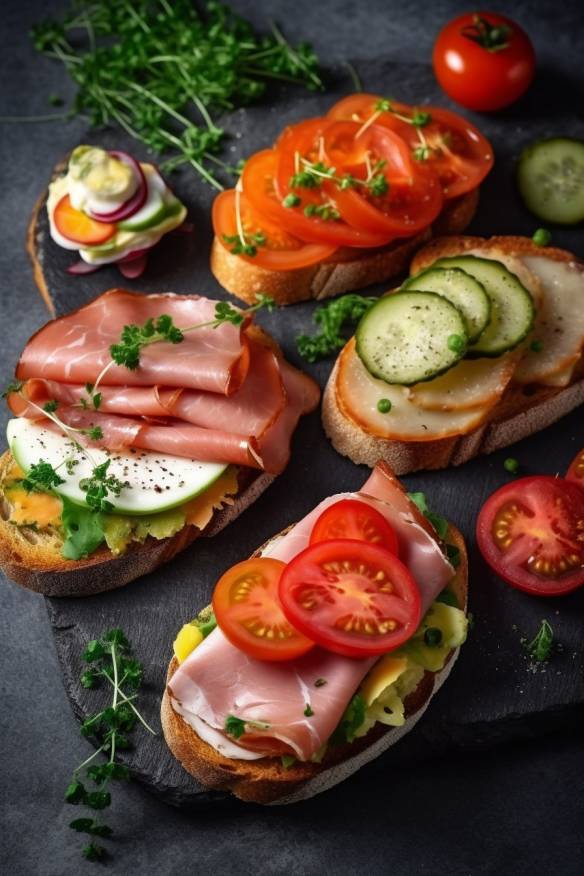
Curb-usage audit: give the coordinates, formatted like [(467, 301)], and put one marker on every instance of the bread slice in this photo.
[(521, 411), (347, 270), (266, 780), (33, 559)]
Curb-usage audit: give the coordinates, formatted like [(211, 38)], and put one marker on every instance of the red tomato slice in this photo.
[(355, 520), (576, 470), (80, 228), (457, 151), (413, 199), (531, 533), (351, 597), (249, 613), (279, 252), (258, 186)]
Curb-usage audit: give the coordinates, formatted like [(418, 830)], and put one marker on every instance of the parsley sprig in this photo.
[(110, 659), (236, 727), (151, 68), (99, 486), (540, 647), (41, 478), (332, 318)]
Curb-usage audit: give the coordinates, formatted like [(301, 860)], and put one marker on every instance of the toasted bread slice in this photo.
[(33, 558), (522, 410), (347, 270), (266, 780)]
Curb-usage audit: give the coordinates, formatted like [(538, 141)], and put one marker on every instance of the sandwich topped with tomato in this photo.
[(322, 649)]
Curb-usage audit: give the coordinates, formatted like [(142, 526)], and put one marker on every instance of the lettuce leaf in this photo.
[(83, 530)]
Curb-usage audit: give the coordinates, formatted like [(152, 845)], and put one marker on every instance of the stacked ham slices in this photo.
[(221, 395)]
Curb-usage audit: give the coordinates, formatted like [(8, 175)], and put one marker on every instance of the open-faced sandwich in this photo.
[(344, 200), (111, 209), (141, 422), (479, 348), (320, 651)]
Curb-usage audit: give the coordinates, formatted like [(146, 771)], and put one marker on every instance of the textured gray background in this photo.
[(511, 810)]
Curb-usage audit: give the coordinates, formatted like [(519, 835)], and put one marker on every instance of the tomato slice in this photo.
[(355, 520), (576, 471), (351, 597), (80, 228), (280, 251), (259, 186), (413, 198), (531, 533), (456, 150), (248, 611)]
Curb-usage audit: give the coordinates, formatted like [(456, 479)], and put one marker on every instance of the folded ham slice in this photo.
[(218, 396), (75, 348), (218, 680)]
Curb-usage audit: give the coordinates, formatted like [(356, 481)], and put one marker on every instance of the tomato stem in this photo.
[(492, 37)]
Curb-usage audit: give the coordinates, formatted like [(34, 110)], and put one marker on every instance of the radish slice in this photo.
[(133, 267), (133, 204), (185, 228), (82, 267)]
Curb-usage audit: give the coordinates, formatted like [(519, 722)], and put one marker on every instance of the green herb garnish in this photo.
[(41, 478), (456, 343), (110, 659), (308, 711), (541, 237), (291, 200), (439, 523), (332, 318), (351, 721), (236, 726), (51, 406), (448, 597), (320, 682), (151, 68), (15, 386), (288, 760), (536, 346), (99, 486), (541, 646)]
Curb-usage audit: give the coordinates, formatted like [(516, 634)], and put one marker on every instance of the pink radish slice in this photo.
[(82, 267), (133, 268), (133, 204), (185, 228)]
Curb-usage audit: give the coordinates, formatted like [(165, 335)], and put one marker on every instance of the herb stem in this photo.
[(355, 78), (50, 117), (89, 759), (124, 699)]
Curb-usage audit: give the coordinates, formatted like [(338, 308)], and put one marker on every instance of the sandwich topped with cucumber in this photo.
[(480, 347), (140, 422), (111, 209)]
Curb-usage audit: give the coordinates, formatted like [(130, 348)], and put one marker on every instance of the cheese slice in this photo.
[(471, 383), (200, 510)]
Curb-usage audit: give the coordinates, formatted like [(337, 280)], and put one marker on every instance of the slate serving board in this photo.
[(495, 693)]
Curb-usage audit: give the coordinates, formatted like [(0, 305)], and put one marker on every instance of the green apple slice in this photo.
[(155, 481)]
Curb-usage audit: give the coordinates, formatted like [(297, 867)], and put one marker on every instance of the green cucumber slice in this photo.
[(462, 290), (512, 310), (156, 482), (550, 176), (409, 337)]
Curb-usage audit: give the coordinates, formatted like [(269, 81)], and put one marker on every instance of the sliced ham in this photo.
[(218, 680), (75, 348)]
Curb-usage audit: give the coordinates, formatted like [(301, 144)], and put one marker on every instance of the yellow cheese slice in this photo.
[(199, 511)]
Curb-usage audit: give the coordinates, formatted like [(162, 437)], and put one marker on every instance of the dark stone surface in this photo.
[(505, 809)]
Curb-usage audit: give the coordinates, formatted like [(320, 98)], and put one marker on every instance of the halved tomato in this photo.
[(80, 228), (448, 143), (576, 471), (248, 611), (355, 520), (531, 533), (278, 251), (258, 185), (351, 597)]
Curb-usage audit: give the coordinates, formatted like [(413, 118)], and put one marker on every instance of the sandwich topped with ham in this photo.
[(140, 422), (322, 649)]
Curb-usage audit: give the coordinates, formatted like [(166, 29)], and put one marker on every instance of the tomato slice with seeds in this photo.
[(280, 251), (351, 597), (531, 533), (258, 180), (249, 613), (355, 520), (457, 151), (575, 473), (79, 227)]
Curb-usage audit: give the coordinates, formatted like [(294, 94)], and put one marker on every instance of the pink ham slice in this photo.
[(75, 348), (218, 680)]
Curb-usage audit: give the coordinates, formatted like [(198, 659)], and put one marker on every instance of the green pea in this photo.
[(384, 406)]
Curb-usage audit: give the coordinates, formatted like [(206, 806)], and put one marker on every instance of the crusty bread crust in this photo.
[(266, 780), (522, 410), (346, 271), (33, 559)]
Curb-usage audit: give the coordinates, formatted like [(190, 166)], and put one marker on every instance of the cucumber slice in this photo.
[(550, 176), (512, 310), (409, 337), (156, 482), (462, 290), (154, 208)]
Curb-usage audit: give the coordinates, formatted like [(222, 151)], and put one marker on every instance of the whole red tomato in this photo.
[(483, 61)]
